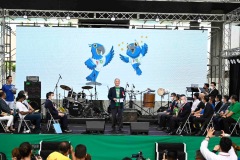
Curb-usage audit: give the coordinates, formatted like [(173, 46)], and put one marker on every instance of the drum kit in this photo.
[(80, 104)]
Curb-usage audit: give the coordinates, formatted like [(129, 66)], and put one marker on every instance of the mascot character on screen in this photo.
[(98, 61), (135, 52)]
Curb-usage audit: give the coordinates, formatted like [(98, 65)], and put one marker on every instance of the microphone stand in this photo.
[(56, 88)]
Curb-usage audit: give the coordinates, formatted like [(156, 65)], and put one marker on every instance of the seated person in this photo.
[(201, 120), (3, 104), (15, 154), (9, 118), (81, 153), (55, 113), (182, 116), (196, 101), (64, 150), (218, 103), (163, 117), (217, 119), (233, 114), (28, 113)]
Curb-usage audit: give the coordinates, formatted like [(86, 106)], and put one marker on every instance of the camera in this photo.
[(138, 156)]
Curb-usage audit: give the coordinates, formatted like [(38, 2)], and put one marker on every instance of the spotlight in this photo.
[(199, 20), (238, 60), (113, 18), (234, 61), (68, 18), (176, 28), (157, 19), (231, 61), (25, 15)]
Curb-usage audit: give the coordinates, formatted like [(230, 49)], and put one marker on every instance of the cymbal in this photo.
[(65, 87), (94, 83), (87, 87)]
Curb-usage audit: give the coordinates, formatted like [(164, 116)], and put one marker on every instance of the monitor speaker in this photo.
[(33, 89), (139, 127), (95, 126), (130, 115)]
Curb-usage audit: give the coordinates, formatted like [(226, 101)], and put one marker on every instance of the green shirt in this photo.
[(235, 108), (117, 95)]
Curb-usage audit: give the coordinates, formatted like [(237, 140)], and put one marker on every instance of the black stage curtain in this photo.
[(234, 84)]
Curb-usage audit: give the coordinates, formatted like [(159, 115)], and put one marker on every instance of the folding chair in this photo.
[(51, 120), (184, 126), (24, 122), (4, 125), (210, 124), (235, 125)]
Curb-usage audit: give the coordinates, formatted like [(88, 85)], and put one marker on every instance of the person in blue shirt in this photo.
[(10, 90)]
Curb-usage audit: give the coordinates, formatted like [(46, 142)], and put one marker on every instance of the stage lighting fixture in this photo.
[(113, 18), (231, 61), (157, 19), (238, 60), (68, 18), (176, 28), (234, 61), (25, 15), (199, 20)]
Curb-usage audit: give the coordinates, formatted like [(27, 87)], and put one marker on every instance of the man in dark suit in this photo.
[(182, 115), (55, 113), (116, 95), (202, 119), (3, 104), (213, 91), (218, 103)]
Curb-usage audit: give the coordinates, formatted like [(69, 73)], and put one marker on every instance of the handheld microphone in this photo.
[(60, 76)]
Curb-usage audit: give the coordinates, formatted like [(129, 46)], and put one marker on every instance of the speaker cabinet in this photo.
[(35, 103), (33, 89), (139, 127), (95, 126), (130, 115)]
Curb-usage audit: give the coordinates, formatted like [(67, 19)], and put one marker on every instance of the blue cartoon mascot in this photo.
[(98, 61), (135, 53)]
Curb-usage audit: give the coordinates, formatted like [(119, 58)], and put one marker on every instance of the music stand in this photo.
[(192, 89)]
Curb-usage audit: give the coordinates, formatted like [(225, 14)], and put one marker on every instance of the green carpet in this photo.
[(109, 147)]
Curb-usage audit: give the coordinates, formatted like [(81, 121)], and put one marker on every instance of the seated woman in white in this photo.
[(9, 118)]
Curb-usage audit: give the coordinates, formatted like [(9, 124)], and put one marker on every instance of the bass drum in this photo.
[(75, 109), (149, 100)]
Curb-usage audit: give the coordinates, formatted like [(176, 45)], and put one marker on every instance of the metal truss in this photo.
[(231, 53), (233, 16), (13, 13)]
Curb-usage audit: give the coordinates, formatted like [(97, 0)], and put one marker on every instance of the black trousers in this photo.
[(174, 123), (164, 119), (218, 123), (227, 123), (200, 120), (117, 113), (63, 121)]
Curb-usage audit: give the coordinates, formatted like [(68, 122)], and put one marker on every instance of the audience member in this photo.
[(213, 91), (52, 108), (182, 116), (199, 155), (4, 105), (15, 154), (196, 101), (25, 150), (81, 153), (64, 150), (163, 117), (233, 114), (201, 120), (225, 149), (218, 103), (206, 88), (27, 113)]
